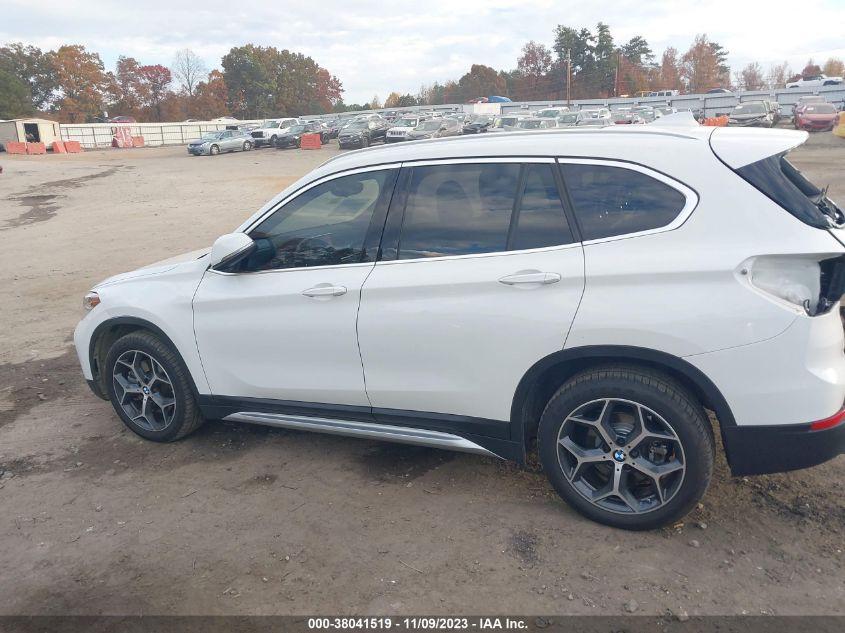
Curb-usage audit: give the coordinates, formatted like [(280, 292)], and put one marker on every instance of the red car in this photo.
[(816, 117)]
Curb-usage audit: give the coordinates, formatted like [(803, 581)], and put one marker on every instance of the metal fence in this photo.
[(93, 135)]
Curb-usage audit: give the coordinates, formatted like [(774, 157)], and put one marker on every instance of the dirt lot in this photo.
[(245, 520)]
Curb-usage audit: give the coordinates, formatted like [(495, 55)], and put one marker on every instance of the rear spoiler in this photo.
[(738, 147)]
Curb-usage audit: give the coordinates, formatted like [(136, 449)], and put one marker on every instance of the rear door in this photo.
[(479, 277)]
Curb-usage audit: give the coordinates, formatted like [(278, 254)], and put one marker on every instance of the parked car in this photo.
[(213, 143), (436, 128), (815, 81), (477, 124), (224, 119), (363, 132), (666, 110), (804, 102), (594, 117), (122, 119), (750, 114), (505, 123), (772, 107), (647, 113), (626, 117), (718, 91), (663, 93), (292, 136), (268, 131), (551, 113), (567, 119), (815, 117), (440, 294), (535, 123), (400, 129)]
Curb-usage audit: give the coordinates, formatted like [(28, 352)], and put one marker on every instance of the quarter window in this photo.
[(326, 225), (610, 201)]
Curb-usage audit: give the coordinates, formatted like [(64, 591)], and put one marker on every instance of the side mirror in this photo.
[(230, 249)]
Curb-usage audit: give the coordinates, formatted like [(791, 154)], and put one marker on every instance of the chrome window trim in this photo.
[(690, 196)]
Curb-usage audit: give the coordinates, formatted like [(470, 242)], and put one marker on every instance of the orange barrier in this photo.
[(839, 129), (716, 121), (59, 147), (73, 147), (137, 141), (310, 141), (13, 147), (36, 148), (122, 137)]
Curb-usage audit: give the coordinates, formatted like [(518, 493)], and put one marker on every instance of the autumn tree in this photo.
[(130, 91), (811, 69), (188, 70), (703, 65), (392, 100), (533, 68), (779, 74), (210, 97), (82, 83), (834, 67), (480, 81), (406, 101), (156, 79), (751, 77), (670, 73), (34, 67)]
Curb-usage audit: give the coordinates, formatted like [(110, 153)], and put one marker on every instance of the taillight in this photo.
[(828, 423), (815, 283)]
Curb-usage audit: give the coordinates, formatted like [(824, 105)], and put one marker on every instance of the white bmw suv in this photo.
[(586, 294)]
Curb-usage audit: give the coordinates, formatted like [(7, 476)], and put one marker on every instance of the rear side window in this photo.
[(778, 179), (469, 209), (610, 201)]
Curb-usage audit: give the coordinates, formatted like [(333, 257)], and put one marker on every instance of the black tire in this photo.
[(214, 150), (664, 396), (247, 146), (186, 417), (365, 141), (273, 141)]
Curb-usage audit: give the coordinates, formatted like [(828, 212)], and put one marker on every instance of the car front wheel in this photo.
[(150, 388), (247, 146), (626, 446), (214, 150)]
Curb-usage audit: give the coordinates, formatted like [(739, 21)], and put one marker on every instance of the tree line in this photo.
[(72, 85), (596, 66)]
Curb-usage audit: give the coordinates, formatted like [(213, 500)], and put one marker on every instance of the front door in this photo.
[(282, 326), (481, 277)]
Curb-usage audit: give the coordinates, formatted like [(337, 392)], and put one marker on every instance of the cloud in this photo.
[(374, 49)]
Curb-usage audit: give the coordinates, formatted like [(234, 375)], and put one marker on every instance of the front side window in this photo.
[(610, 201), (469, 209), (326, 225)]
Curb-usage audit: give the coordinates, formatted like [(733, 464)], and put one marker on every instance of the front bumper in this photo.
[(812, 126), (197, 151), (758, 450), (351, 142), (395, 139)]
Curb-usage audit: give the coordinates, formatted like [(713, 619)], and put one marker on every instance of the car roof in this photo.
[(734, 146)]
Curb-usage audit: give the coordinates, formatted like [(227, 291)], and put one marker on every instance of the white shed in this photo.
[(30, 130)]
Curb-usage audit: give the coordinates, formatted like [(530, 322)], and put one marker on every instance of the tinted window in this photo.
[(325, 225), (615, 201), (458, 209), (540, 220), (777, 178)]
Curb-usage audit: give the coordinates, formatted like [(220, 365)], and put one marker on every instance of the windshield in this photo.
[(621, 116), (750, 108), (407, 122), (820, 108), (480, 118), (296, 129), (212, 136), (547, 113), (358, 125), (269, 123), (528, 124), (429, 126)]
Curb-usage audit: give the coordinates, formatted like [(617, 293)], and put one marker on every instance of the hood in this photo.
[(400, 129), (198, 141), (156, 268), (744, 117)]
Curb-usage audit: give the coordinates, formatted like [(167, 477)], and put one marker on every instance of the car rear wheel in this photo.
[(150, 388), (626, 446), (214, 150)]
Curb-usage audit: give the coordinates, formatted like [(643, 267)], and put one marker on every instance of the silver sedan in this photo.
[(214, 143)]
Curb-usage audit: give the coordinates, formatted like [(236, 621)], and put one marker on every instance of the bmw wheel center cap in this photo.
[(619, 455)]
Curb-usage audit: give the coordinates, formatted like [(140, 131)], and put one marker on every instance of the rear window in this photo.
[(611, 201), (781, 181)]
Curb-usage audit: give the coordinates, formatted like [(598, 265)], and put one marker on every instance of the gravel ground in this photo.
[(246, 520)]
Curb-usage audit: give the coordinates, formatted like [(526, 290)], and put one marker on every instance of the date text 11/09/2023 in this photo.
[(418, 623)]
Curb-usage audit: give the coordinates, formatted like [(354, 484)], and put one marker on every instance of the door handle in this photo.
[(530, 277), (325, 290)]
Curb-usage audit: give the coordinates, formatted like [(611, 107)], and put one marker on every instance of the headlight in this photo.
[(91, 300)]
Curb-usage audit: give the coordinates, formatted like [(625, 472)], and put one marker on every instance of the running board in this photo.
[(365, 430)]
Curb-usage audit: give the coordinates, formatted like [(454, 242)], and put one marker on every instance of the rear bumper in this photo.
[(757, 450)]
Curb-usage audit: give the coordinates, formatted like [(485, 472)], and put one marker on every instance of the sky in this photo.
[(378, 47)]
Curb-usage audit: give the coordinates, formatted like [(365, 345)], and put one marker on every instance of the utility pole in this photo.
[(568, 76)]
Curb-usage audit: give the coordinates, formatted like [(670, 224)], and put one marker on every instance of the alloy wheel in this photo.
[(621, 456), (144, 390)]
